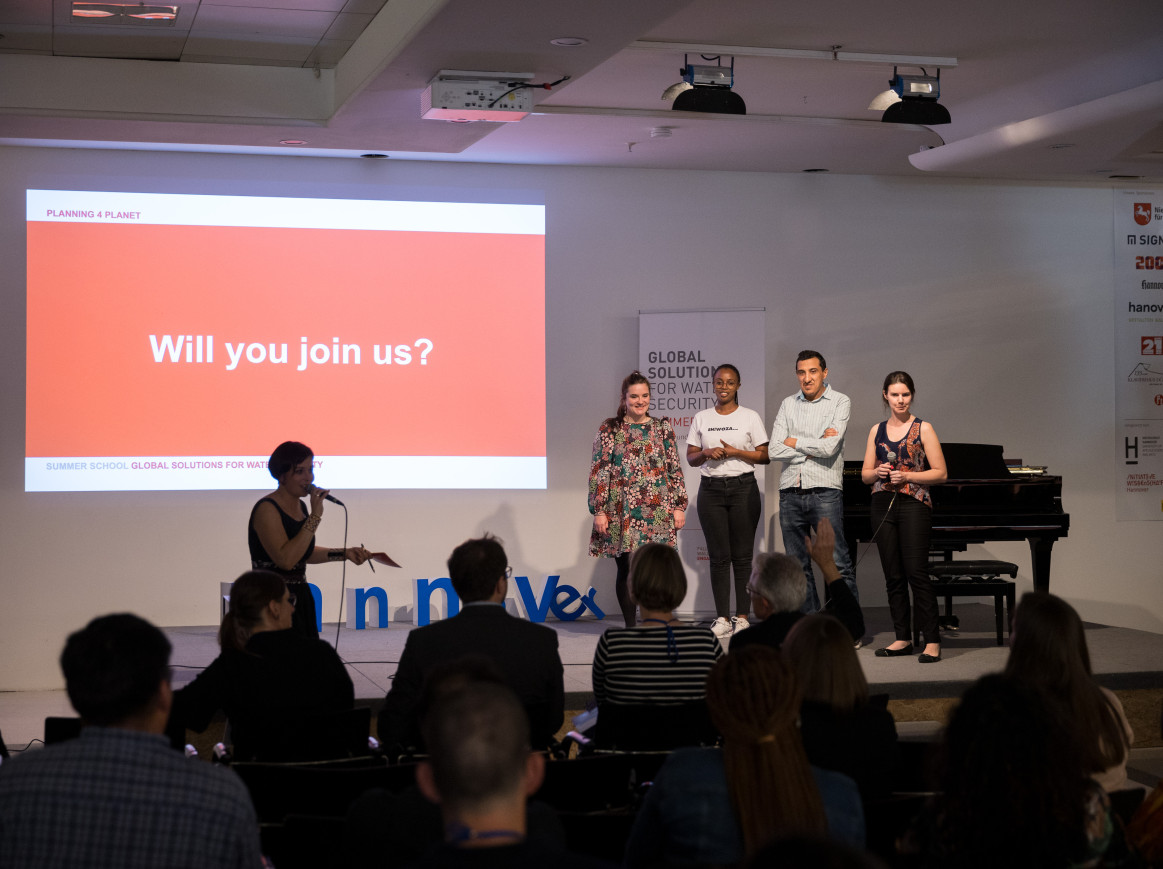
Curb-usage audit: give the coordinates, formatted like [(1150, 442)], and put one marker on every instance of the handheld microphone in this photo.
[(332, 499), (890, 458)]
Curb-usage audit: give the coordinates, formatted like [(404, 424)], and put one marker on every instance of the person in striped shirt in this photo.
[(660, 660)]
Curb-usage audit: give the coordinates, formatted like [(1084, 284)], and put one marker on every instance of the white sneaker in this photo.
[(739, 623), (721, 628)]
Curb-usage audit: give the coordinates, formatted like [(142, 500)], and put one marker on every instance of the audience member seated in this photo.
[(1015, 791), (525, 653), (267, 678), (778, 589), (1145, 829), (389, 829), (1048, 649), (118, 795), (650, 680), (714, 806), (842, 727), (480, 770)]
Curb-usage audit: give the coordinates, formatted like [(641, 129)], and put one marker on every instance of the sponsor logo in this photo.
[(1142, 213), (1143, 373)]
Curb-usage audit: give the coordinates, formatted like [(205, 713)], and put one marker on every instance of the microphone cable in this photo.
[(342, 577)]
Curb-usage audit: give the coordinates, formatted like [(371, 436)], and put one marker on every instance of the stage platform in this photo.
[(1126, 661)]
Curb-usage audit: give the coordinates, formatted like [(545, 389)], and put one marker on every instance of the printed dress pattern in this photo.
[(637, 481)]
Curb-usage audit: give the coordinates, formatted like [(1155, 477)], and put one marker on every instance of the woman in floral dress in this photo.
[(637, 493)]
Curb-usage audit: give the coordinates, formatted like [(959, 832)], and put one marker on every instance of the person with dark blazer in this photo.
[(525, 654), (778, 589)]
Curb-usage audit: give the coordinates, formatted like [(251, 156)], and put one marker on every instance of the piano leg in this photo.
[(1040, 550)]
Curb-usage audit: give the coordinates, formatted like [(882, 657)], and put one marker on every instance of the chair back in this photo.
[(322, 789), (653, 727), (321, 736)]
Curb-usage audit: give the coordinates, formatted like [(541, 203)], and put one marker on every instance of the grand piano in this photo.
[(982, 500)]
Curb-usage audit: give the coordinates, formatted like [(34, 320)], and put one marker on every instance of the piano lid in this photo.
[(975, 462)]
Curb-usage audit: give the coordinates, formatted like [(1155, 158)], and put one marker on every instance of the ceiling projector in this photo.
[(455, 95)]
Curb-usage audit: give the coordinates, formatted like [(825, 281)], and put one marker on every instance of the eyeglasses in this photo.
[(509, 572), (291, 599), (752, 590)]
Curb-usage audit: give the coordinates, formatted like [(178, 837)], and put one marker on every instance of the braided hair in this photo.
[(754, 701)]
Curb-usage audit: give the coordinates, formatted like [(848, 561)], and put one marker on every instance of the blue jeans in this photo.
[(799, 512), (729, 511)]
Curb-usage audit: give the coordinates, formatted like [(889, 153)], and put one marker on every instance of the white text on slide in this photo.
[(199, 350)]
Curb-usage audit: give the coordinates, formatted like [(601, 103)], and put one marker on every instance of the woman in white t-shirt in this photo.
[(727, 441)]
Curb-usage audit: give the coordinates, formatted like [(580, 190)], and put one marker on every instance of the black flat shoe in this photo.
[(895, 653), (928, 659)]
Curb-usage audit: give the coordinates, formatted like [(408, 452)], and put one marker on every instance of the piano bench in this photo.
[(976, 579)]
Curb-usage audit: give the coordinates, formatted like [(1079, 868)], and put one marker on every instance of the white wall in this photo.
[(997, 298)]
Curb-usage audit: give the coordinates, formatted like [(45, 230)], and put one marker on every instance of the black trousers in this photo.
[(729, 511), (903, 543)]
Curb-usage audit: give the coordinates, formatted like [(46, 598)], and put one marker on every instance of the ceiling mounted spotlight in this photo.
[(916, 100), (706, 88)]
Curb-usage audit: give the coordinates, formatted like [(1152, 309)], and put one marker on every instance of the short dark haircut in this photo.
[(286, 456), (657, 577), (805, 355), (113, 667), (478, 743), (475, 566)]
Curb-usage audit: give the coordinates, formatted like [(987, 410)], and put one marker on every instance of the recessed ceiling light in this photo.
[(125, 13), (568, 41)]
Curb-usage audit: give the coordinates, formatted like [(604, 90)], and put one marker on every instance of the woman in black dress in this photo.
[(281, 534)]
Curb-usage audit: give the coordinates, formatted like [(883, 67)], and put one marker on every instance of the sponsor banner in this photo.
[(678, 352), (1138, 280)]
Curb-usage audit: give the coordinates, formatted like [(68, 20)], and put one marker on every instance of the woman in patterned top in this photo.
[(902, 460), (637, 492)]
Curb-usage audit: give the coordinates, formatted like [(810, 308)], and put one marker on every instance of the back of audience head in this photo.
[(478, 741), (779, 579), (1048, 642), (116, 670), (251, 595), (657, 578), (448, 677), (1013, 789), (476, 566), (1048, 649), (754, 702), (819, 649)]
